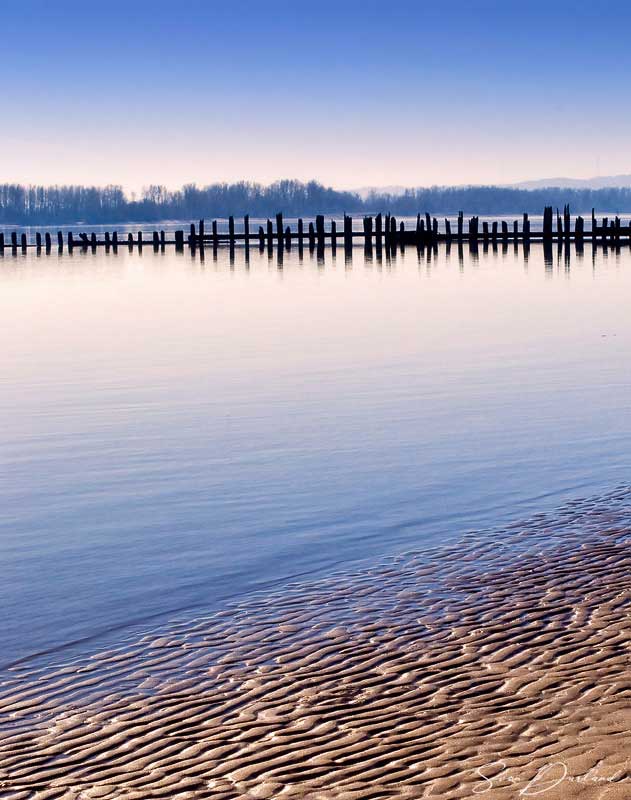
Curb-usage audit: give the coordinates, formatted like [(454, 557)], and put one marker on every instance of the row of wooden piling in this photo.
[(382, 230)]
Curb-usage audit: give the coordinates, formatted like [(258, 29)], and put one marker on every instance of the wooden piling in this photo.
[(378, 229), (140, 241), (333, 235), (367, 223), (70, 241), (579, 229), (311, 236), (1, 242), (14, 240), (215, 234), (191, 236), (60, 240), (301, 231), (393, 232), (526, 228), (156, 240), (505, 228), (320, 230), (279, 228), (348, 232), (179, 240), (460, 224), (246, 230), (566, 222), (163, 239), (494, 232), (108, 241), (447, 230), (115, 240), (231, 231), (288, 238), (130, 240), (261, 238), (270, 234), (485, 232), (23, 242), (38, 240), (201, 233), (47, 241), (547, 224)]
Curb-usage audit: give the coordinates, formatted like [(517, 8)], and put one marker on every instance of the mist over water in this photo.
[(177, 430)]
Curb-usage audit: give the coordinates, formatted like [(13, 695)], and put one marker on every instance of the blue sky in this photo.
[(354, 93)]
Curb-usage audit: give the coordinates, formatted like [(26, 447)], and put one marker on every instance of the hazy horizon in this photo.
[(351, 93)]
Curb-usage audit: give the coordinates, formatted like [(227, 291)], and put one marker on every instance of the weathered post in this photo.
[(38, 240), (201, 233), (447, 231), (163, 239), (1, 242), (494, 232), (579, 228), (60, 240), (547, 224), (378, 229), (140, 240), (191, 236), (311, 236), (593, 231), (246, 230), (348, 232), (504, 231), (107, 240), (14, 240), (215, 235), (320, 230), (288, 238), (333, 235), (179, 240), (47, 241), (70, 241), (387, 231), (515, 231), (526, 227), (231, 231), (156, 241), (393, 232), (301, 231), (460, 224), (261, 238), (367, 231), (566, 222), (279, 228), (485, 232), (270, 235), (130, 241), (23, 242), (428, 224), (115, 240)]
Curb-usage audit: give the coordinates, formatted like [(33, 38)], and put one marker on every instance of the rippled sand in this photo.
[(462, 671)]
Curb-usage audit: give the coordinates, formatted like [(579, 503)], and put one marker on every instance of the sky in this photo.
[(353, 94)]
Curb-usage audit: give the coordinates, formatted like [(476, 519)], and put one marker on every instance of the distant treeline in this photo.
[(49, 205)]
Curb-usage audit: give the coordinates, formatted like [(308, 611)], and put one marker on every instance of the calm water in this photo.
[(174, 432)]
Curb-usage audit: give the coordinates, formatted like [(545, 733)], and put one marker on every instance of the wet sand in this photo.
[(499, 666)]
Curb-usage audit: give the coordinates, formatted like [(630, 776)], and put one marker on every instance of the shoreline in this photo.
[(474, 668)]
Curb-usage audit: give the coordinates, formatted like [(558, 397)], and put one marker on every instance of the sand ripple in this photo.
[(464, 670)]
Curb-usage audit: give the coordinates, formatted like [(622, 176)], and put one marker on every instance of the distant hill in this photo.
[(601, 182)]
